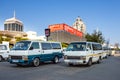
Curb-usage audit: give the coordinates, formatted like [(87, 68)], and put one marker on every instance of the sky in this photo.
[(37, 15)]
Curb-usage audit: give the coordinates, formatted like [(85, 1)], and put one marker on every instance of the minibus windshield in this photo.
[(3, 47), (22, 45), (76, 47)]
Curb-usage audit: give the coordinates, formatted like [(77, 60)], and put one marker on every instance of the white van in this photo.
[(4, 52), (106, 52), (34, 52), (83, 53)]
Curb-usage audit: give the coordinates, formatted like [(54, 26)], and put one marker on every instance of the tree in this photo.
[(96, 36), (4, 38), (20, 38), (116, 46), (1, 39)]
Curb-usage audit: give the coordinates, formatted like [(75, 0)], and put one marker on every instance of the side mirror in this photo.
[(31, 48)]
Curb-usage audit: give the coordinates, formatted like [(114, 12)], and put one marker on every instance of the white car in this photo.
[(4, 52)]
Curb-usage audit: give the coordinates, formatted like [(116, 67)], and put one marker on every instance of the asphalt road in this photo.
[(109, 69)]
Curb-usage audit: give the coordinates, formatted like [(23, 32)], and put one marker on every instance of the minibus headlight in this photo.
[(25, 57), (83, 57), (9, 57)]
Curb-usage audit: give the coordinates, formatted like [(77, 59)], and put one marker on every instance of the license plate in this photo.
[(15, 60)]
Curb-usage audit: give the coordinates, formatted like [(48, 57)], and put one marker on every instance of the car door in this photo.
[(34, 50), (46, 51)]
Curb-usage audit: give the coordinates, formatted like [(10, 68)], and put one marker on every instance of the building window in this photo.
[(13, 27), (9, 27), (17, 28), (21, 28), (5, 26)]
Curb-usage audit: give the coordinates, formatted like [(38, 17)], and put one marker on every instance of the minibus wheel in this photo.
[(70, 64), (56, 59), (36, 62), (99, 60), (1, 58), (89, 62), (19, 64)]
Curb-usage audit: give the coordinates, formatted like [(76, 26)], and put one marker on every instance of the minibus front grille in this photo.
[(16, 57), (73, 57)]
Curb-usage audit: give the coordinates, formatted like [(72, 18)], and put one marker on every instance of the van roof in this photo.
[(84, 42), (41, 41), (3, 44)]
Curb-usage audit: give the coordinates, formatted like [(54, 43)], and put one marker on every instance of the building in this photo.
[(32, 35), (13, 28), (64, 33), (13, 24), (79, 25)]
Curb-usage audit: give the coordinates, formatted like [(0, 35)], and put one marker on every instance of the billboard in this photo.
[(65, 27), (56, 27)]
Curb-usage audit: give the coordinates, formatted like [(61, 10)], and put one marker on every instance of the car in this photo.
[(4, 52), (84, 53), (34, 52)]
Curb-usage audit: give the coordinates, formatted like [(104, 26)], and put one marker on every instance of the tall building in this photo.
[(79, 25), (13, 24), (64, 33), (13, 29)]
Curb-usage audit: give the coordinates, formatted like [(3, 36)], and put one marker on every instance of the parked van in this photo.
[(34, 52), (83, 53), (107, 52), (4, 52)]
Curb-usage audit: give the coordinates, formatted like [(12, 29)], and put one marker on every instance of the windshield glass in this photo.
[(3, 47), (22, 45), (76, 47)]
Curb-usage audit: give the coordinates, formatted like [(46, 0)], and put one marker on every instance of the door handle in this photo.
[(42, 51)]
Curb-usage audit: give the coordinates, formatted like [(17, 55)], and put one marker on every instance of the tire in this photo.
[(56, 60), (19, 65), (89, 62), (70, 64), (106, 57), (1, 58), (36, 62), (99, 60)]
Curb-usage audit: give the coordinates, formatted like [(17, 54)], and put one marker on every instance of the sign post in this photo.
[(47, 33)]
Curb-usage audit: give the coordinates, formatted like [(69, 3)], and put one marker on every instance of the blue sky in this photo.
[(38, 14)]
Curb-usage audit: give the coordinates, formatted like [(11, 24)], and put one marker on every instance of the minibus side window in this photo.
[(99, 47), (94, 47), (56, 46), (35, 45), (46, 46)]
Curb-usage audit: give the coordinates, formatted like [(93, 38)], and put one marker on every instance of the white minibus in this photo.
[(34, 52), (83, 53)]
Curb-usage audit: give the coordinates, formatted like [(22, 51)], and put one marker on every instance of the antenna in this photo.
[(14, 14), (97, 30)]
